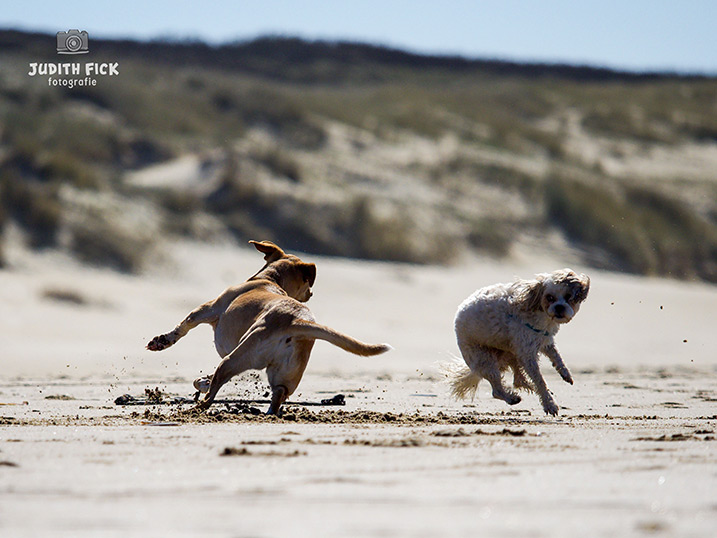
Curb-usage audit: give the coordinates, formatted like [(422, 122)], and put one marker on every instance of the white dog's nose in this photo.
[(562, 312)]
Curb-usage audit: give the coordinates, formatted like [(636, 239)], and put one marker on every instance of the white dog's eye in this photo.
[(550, 298)]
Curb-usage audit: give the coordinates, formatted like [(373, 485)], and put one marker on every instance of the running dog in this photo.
[(507, 326), (263, 324)]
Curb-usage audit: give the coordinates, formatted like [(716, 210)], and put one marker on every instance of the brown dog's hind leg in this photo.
[(279, 394), (235, 363), (227, 369), (285, 376)]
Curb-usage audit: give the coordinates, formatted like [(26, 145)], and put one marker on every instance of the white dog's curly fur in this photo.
[(507, 326)]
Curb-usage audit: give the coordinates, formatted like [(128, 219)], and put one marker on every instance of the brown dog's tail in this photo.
[(308, 329)]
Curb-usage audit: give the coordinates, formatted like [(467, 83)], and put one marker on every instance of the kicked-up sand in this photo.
[(632, 453)]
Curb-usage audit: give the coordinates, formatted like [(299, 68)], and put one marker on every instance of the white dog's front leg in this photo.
[(530, 366), (557, 361)]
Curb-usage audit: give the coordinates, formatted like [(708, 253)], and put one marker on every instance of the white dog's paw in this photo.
[(565, 374), (202, 383), (551, 408), (511, 398)]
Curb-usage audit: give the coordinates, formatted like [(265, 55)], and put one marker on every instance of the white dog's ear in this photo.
[(269, 249), (582, 294), (531, 296)]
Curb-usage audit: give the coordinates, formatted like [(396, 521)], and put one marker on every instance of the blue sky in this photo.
[(628, 34)]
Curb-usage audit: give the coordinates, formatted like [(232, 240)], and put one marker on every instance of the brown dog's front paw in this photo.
[(158, 343), (567, 377)]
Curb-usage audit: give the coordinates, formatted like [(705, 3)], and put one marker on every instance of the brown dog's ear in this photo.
[(270, 250), (308, 272)]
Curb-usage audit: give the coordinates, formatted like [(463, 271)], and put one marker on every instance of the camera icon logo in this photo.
[(72, 42)]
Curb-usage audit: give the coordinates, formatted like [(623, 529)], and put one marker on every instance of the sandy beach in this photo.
[(423, 153), (631, 454)]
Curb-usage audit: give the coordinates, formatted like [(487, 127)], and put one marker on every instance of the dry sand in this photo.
[(632, 453)]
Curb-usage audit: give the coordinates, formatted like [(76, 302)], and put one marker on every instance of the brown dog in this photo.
[(263, 324)]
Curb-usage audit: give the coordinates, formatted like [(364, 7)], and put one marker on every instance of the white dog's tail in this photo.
[(463, 381), (308, 329)]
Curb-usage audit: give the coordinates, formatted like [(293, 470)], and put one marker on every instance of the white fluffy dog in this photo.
[(507, 326)]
